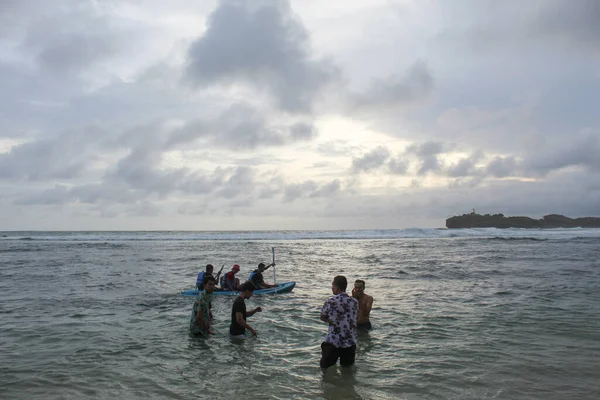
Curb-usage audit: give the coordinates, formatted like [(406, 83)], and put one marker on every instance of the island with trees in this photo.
[(474, 220)]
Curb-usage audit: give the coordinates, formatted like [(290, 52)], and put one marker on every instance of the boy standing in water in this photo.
[(340, 312), (200, 320), (365, 303), (238, 312)]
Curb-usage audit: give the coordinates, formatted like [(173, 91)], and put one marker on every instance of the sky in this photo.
[(300, 114)]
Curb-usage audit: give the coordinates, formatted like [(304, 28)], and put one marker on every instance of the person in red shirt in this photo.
[(230, 282)]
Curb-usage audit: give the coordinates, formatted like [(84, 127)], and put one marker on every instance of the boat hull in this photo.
[(280, 288)]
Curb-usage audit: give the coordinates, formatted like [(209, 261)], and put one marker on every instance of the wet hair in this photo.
[(209, 267), (361, 282), (261, 266), (208, 279), (248, 286), (340, 282)]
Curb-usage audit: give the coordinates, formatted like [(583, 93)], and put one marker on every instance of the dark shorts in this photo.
[(364, 327), (330, 355)]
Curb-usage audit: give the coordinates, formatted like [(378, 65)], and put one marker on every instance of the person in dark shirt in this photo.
[(239, 314), (257, 278)]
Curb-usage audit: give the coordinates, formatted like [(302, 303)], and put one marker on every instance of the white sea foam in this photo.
[(416, 233)]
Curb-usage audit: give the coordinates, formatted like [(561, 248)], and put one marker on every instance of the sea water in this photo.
[(458, 314)]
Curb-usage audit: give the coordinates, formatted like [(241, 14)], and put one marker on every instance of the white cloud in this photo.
[(240, 114)]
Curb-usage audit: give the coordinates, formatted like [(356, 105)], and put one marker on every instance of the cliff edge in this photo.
[(474, 220)]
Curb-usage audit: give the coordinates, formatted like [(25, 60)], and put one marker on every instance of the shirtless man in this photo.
[(365, 302)]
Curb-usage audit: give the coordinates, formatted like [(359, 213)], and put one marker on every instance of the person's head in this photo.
[(209, 268), (248, 289), (339, 284), (359, 288), (235, 269), (209, 284), (261, 267)]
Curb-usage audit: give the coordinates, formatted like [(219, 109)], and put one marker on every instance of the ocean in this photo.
[(457, 314)]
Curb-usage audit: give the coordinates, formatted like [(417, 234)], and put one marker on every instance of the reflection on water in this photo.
[(340, 383), (364, 343), (465, 318)]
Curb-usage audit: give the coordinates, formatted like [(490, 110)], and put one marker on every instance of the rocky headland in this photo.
[(474, 220)]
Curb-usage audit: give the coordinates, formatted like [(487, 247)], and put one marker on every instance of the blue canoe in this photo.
[(280, 288)]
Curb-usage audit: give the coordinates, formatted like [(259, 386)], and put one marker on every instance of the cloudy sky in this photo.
[(301, 114)]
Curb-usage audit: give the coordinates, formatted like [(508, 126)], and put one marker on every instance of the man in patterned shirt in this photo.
[(340, 312), (200, 319)]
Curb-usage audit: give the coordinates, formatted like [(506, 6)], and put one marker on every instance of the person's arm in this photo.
[(251, 313), (325, 313), (204, 325), (269, 266), (228, 284), (239, 318), (368, 304)]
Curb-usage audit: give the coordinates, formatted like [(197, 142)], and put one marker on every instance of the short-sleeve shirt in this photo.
[(258, 279), (239, 305), (341, 310), (202, 302)]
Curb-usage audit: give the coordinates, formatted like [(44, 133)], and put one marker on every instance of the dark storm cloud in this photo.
[(371, 160), (299, 190), (399, 165), (239, 183), (311, 189), (260, 43), (328, 189), (427, 154), (575, 23), (131, 183), (466, 166), (415, 85), (501, 167), (68, 52), (576, 151), (65, 38), (488, 24), (241, 127), (66, 156), (303, 131)]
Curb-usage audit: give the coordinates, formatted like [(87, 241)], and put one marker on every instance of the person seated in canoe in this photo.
[(257, 278), (230, 282), (204, 274), (201, 318), (365, 303)]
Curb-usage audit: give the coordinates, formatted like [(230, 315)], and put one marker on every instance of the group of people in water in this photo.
[(345, 315), (230, 282)]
